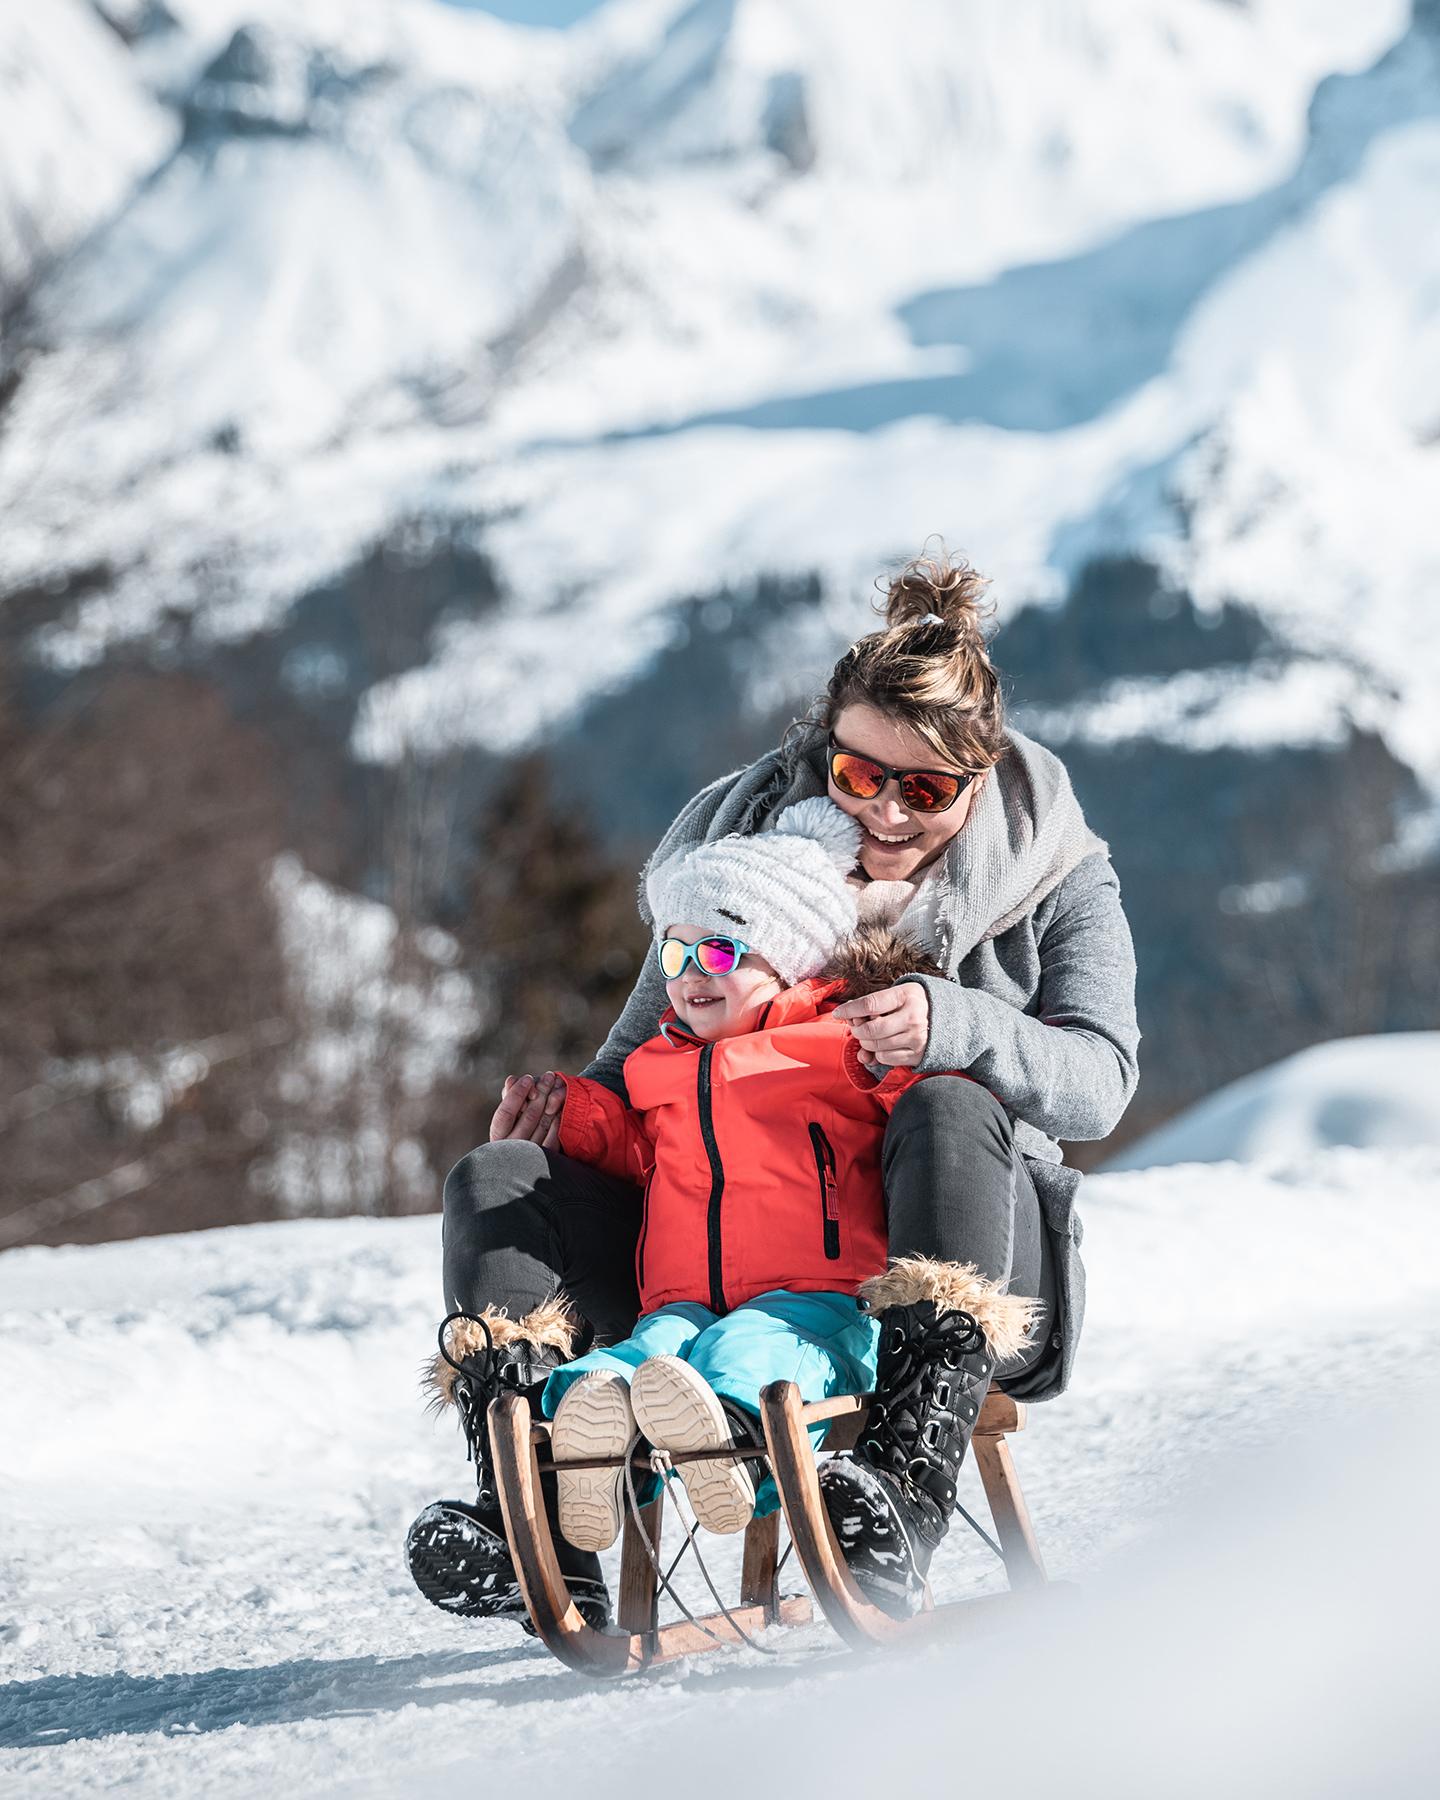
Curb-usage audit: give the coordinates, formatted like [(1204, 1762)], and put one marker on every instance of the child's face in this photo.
[(721, 1006)]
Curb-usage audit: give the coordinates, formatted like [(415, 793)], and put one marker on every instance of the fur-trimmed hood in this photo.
[(875, 957)]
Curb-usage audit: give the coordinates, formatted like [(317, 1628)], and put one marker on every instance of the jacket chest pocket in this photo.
[(829, 1191)]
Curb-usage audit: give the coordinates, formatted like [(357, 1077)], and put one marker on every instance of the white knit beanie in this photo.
[(783, 892)]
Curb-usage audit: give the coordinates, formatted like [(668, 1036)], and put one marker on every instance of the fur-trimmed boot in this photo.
[(943, 1329), (456, 1549)]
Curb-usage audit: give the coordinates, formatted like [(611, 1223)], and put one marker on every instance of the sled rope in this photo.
[(979, 1530), (662, 1466)]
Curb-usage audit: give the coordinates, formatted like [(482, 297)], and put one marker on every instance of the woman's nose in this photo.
[(892, 814)]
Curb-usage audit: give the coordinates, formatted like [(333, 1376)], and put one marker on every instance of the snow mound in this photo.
[(1366, 1092)]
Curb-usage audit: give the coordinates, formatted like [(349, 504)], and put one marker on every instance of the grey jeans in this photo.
[(521, 1222)]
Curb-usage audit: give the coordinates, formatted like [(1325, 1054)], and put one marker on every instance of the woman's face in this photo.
[(898, 843)]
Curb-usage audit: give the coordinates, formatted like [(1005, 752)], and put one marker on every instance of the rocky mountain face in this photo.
[(442, 391)]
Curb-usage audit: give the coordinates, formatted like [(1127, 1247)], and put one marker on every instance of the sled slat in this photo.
[(1024, 1566), (999, 1416), (684, 1639), (641, 1465), (838, 1406), (762, 1554), (635, 1608)]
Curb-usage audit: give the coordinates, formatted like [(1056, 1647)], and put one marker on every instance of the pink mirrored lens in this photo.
[(716, 956)]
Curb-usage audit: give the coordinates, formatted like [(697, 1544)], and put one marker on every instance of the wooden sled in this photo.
[(638, 1641)]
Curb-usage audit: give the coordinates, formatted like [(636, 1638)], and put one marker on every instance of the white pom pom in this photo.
[(821, 820)]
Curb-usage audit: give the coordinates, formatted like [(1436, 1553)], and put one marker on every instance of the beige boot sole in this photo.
[(593, 1419), (677, 1410)]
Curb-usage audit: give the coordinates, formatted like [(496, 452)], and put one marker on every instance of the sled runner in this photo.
[(638, 1641)]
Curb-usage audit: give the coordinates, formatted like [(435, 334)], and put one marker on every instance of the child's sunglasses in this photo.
[(711, 956), (921, 790)]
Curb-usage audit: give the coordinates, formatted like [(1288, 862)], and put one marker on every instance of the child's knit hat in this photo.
[(782, 891)]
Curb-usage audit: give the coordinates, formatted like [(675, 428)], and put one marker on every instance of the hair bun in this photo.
[(939, 591)]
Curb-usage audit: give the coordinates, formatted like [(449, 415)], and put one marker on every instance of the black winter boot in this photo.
[(892, 1500), (456, 1549)]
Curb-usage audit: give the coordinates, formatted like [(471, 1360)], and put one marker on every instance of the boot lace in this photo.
[(930, 1389), (481, 1377)]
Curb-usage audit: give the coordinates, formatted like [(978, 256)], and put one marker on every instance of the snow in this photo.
[(77, 130), (213, 1445), (694, 294), (385, 1014), (1366, 1092), (1266, 705), (1248, 475)]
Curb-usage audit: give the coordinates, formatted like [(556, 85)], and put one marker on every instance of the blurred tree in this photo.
[(142, 995), (1335, 933), (553, 937)]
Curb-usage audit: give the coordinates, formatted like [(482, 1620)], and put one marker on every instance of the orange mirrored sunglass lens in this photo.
[(928, 793), (855, 776)]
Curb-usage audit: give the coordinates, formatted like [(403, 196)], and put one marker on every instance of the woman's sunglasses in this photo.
[(711, 956), (921, 790)]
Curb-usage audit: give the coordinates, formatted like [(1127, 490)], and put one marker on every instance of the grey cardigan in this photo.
[(1041, 1009)]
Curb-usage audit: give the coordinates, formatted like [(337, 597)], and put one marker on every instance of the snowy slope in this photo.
[(212, 1446), (833, 286), (1372, 1092)]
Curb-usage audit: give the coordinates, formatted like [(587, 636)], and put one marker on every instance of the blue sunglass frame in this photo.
[(738, 945)]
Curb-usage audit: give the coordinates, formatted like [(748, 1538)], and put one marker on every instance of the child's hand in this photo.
[(529, 1109), (891, 1027)]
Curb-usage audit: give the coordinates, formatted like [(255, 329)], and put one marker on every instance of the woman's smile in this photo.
[(887, 840)]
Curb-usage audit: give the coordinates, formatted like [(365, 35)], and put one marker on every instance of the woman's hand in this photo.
[(892, 1027), (530, 1109)]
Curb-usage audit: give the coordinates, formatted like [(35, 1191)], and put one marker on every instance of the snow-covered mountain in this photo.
[(231, 1614), (1053, 279)]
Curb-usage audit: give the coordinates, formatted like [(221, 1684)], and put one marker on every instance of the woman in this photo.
[(975, 845)]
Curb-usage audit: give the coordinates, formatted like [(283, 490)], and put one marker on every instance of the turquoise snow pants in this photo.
[(823, 1343)]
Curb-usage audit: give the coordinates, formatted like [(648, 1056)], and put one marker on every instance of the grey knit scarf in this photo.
[(1024, 835)]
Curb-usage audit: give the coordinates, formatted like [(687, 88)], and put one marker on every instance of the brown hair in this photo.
[(929, 667)]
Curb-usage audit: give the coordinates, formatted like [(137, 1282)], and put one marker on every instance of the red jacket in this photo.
[(759, 1155)]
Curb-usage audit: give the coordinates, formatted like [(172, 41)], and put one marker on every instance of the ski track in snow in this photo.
[(214, 1443)]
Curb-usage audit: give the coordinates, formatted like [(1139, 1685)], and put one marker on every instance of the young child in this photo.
[(755, 1131)]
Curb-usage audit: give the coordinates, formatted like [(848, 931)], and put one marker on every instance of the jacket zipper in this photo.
[(644, 1232), (717, 1182), (829, 1192)]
